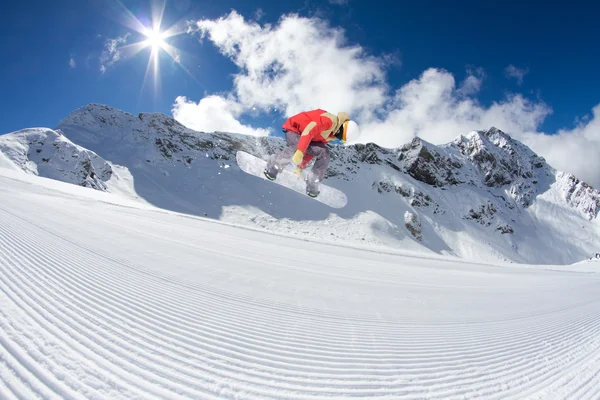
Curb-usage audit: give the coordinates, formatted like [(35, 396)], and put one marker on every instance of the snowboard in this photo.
[(255, 166)]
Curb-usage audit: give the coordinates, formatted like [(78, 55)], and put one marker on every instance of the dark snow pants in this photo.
[(318, 150)]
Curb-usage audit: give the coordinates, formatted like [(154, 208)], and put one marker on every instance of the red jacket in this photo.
[(316, 125)]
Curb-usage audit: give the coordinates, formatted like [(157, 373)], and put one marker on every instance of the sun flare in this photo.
[(155, 39)]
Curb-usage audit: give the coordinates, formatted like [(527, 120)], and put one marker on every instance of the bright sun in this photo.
[(154, 38)]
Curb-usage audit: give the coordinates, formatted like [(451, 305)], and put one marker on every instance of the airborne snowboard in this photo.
[(255, 166)]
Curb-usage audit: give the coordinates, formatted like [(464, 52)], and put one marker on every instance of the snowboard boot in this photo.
[(312, 188), (271, 172)]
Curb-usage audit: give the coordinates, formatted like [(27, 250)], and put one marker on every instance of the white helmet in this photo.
[(351, 132)]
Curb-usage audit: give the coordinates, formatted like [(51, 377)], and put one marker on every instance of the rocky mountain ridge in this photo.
[(484, 181)]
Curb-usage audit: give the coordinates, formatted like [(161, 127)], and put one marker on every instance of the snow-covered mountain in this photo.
[(50, 154), (484, 196)]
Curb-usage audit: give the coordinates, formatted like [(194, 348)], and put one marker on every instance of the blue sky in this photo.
[(429, 68)]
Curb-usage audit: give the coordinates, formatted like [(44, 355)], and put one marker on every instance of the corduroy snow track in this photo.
[(100, 300)]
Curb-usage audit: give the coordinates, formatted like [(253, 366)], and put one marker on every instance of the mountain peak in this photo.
[(494, 132), (426, 163), (503, 161)]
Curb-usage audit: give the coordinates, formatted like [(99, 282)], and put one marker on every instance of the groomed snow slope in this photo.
[(103, 298)]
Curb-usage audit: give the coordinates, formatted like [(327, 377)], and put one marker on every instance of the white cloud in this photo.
[(432, 108), (576, 151), (299, 63), (259, 14), (111, 53), (338, 2), (302, 63), (212, 114), (472, 84), (517, 73), (72, 63)]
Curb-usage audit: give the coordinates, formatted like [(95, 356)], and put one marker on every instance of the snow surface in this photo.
[(106, 297)]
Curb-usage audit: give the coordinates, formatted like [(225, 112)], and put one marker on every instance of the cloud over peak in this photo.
[(434, 108), (212, 114), (299, 63)]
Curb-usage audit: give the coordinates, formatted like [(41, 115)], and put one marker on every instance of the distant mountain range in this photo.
[(484, 196)]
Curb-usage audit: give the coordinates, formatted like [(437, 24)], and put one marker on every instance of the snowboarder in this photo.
[(307, 134)]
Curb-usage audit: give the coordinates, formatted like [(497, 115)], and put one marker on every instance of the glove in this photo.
[(298, 172), (298, 157)]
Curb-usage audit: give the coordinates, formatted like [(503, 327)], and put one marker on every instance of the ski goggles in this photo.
[(341, 133)]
